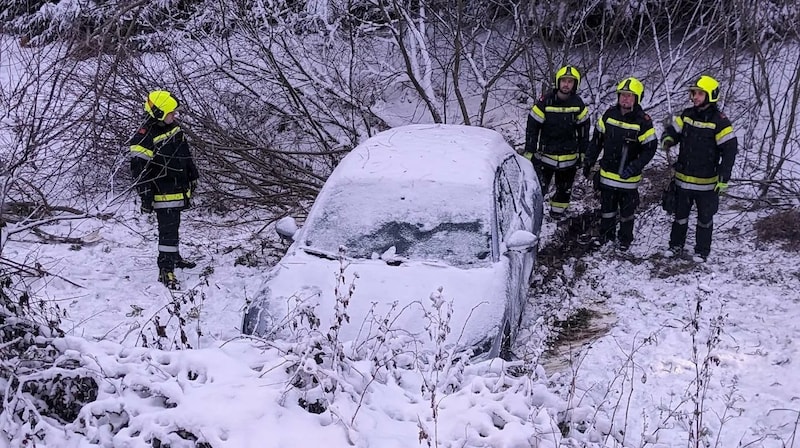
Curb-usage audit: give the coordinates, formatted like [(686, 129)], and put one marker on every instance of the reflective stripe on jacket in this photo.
[(175, 200), (695, 183), (557, 162), (613, 180)]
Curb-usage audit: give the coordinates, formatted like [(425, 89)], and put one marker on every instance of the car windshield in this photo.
[(421, 221)]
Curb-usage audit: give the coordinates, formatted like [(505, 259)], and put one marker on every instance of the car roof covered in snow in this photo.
[(440, 152)]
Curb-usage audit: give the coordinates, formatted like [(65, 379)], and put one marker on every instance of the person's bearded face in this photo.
[(565, 85)]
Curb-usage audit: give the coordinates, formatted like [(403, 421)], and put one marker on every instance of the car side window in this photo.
[(506, 182)]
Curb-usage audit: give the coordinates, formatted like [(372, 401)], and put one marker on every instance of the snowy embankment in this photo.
[(715, 338)]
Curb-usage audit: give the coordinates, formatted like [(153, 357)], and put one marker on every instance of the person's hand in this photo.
[(193, 186), (147, 205), (721, 187), (667, 144), (627, 172)]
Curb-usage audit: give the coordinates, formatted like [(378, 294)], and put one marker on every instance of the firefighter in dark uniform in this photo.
[(625, 136), (556, 137), (708, 150), (165, 175)]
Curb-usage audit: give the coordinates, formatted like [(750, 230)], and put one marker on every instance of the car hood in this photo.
[(399, 297)]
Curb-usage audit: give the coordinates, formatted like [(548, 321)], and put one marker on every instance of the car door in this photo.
[(523, 195), (512, 216)]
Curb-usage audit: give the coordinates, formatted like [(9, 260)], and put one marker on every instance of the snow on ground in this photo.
[(108, 288), (715, 337), (718, 337)]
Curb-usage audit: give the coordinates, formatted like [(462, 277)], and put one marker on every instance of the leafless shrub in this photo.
[(169, 327)]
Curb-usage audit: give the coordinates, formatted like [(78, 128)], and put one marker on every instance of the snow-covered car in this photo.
[(413, 215)]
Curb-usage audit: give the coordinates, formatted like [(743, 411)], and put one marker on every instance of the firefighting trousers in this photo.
[(169, 221), (564, 178), (618, 205), (707, 203)]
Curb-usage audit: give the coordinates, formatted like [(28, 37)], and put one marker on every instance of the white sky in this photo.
[(636, 382)]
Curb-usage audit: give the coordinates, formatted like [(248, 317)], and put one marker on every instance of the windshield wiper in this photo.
[(320, 253)]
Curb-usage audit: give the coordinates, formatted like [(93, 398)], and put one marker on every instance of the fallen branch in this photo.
[(34, 271), (89, 238)]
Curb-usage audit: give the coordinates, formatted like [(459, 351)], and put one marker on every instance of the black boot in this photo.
[(168, 278)]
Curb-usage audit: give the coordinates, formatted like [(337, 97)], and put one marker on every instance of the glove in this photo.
[(527, 155), (667, 144), (193, 186), (587, 170), (627, 172), (721, 187), (147, 205)]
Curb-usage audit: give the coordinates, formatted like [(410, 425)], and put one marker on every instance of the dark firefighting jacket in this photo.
[(627, 140), (708, 147), (557, 132), (162, 165)]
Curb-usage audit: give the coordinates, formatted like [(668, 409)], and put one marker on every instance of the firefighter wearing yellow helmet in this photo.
[(556, 137), (626, 138), (164, 174), (708, 148)]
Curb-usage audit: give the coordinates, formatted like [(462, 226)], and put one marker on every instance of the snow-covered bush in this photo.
[(41, 386)]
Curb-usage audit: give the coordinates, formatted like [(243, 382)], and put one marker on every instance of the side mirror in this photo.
[(286, 227), (522, 241)]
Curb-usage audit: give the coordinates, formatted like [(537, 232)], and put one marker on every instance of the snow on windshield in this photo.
[(422, 220)]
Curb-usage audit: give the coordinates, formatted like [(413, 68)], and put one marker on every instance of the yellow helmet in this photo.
[(633, 86), (160, 103), (708, 85), (568, 71)]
